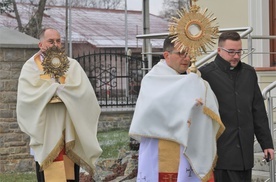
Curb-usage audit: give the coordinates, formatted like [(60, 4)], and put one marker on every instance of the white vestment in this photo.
[(148, 163), (71, 124), (182, 109)]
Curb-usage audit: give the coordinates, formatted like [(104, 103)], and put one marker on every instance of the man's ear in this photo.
[(166, 54), (39, 44)]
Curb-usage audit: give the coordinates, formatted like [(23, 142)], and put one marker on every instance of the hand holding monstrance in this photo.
[(55, 64)]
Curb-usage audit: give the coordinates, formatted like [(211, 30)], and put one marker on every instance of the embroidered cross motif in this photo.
[(169, 178), (199, 102), (141, 178), (190, 170)]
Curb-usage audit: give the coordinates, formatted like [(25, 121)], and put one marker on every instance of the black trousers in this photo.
[(40, 174), (232, 176)]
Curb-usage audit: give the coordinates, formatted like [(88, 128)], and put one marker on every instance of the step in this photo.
[(260, 176), (260, 171), (259, 164)]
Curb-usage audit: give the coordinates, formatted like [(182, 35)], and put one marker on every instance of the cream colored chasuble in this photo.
[(71, 125), (182, 109)]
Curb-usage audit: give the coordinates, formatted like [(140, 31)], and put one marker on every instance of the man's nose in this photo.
[(237, 55)]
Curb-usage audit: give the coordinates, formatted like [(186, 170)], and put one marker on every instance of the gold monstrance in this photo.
[(192, 32), (55, 64)]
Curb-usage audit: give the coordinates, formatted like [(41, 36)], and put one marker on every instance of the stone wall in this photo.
[(14, 149), (114, 119)]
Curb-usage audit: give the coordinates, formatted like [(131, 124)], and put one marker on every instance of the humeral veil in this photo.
[(181, 109)]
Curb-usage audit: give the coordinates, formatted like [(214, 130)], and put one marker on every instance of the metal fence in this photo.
[(114, 76)]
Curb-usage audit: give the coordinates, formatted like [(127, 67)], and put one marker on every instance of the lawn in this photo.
[(111, 142), (18, 177)]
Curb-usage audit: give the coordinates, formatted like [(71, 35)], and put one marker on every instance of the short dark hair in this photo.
[(168, 45), (229, 35)]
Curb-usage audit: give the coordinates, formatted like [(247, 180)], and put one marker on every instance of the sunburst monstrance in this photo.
[(192, 31), (55, 64)]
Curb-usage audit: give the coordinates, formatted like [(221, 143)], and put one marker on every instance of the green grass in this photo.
[(18, 177), (111, 142)]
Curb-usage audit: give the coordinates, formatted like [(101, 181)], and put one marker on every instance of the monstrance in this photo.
[(55, 64), (192, 31)]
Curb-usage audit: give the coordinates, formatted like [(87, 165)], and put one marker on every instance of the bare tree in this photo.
[(109, 4), (170, 7), (5, 6), (83, 3), (52, 2), (34, 24), (19, 23), (104, 4)]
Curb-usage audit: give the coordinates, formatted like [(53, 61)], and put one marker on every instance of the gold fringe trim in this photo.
[(76, 159), (216, 118), (209, 174), (69, 145), (53, 154), (212, 114), (69, 152)]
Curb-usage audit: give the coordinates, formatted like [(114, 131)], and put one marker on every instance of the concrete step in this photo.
[(260, 171), (259, 164), (260, 176)]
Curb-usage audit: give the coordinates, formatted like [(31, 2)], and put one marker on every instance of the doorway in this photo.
[(272, 31)]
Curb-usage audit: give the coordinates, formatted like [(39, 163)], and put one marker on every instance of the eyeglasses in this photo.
[(232, 52), (180, 54)]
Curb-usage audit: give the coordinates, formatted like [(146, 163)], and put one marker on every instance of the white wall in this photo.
[(242, 13), (259, 20), (230, 14)]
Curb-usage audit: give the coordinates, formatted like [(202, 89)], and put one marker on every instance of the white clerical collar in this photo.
[(41, 56)]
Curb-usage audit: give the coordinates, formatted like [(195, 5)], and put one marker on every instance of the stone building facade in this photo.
[(14, 144)]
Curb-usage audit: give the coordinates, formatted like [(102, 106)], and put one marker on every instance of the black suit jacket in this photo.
[(242, 110)]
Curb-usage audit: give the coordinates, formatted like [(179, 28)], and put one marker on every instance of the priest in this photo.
[(60, 114), (176, 121)]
